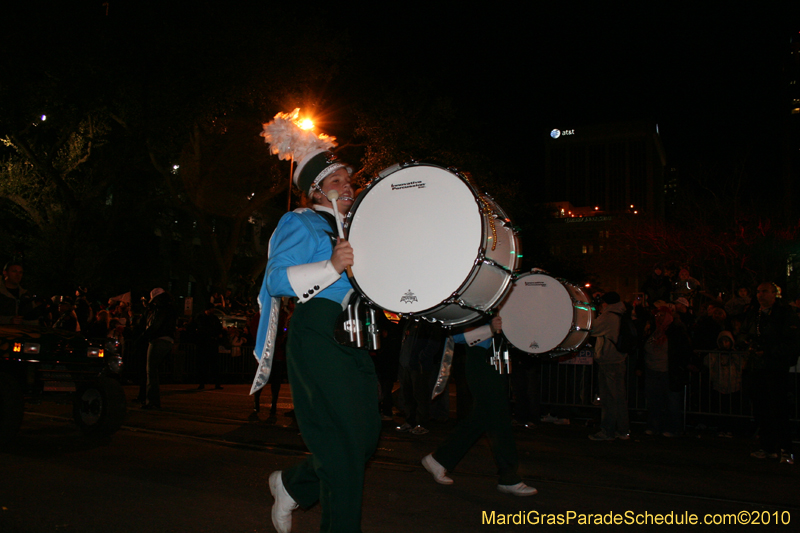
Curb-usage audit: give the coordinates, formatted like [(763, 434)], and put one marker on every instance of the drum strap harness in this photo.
[(331, 222)]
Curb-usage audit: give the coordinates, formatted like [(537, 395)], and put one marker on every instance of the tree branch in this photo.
[(45, 170)]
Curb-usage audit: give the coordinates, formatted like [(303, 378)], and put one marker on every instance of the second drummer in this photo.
[(490, 414)]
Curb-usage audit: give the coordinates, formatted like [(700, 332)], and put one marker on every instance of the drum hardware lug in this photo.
[(506, 223), (493, 263), (387, 172), (454, 299), (418, 318)]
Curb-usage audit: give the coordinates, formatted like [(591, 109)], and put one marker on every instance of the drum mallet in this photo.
[(333, 196)]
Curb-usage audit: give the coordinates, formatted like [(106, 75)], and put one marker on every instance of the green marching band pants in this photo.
[(490, 414), (335, 395)]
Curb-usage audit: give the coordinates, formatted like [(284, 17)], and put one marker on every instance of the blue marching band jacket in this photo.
[(299, 266)]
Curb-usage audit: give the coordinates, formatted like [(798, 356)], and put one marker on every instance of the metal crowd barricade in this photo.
[(720, 387), (569, 383), (719, 390), (572, 383), (182, 366), (239, 368)]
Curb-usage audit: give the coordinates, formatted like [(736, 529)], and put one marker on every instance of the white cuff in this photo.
[(309, 279), (478, 335)]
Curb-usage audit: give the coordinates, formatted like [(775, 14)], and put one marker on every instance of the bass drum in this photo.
[(542, 314), (427, 245)]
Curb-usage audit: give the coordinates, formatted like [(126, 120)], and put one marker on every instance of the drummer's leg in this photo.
[(335, 395), (470, 429), (498, 423), (422, 397), (407, 395)]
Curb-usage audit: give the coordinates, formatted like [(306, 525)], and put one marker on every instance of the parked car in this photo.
[(43, 364)]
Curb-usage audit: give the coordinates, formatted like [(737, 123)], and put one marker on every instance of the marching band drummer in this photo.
[(333, 386), (490, 414)]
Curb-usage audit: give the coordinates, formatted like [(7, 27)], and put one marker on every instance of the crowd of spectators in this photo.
[(707, 316), (740, 350), (124, 320), (682, 329)]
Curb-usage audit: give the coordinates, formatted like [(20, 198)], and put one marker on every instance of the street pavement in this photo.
[(636, 482)]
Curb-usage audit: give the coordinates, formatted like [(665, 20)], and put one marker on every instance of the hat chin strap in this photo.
[(317, 188)]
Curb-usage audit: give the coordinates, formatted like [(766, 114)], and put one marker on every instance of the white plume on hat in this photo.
[(287, 140)]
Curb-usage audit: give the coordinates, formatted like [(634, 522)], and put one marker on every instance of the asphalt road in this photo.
[(201, 465)]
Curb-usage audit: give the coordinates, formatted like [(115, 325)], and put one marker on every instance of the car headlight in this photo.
[(95, 351), (27, 347)]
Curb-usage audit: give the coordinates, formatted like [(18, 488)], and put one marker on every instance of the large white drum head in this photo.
[(416, 234), (537, 314)]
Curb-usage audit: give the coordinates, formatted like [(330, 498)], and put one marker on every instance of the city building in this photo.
[(597, 178), (791, 146)]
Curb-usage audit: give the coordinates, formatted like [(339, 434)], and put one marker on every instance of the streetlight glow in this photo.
[(306, 124)]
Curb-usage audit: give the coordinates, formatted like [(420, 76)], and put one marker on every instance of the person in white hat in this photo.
[(334, 387), (684, 311)]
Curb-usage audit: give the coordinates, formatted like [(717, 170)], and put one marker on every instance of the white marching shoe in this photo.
[(437, 471), (520, 489), (283, 506)]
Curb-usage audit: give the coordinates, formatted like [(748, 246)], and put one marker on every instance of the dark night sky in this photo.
[(710, 76)]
